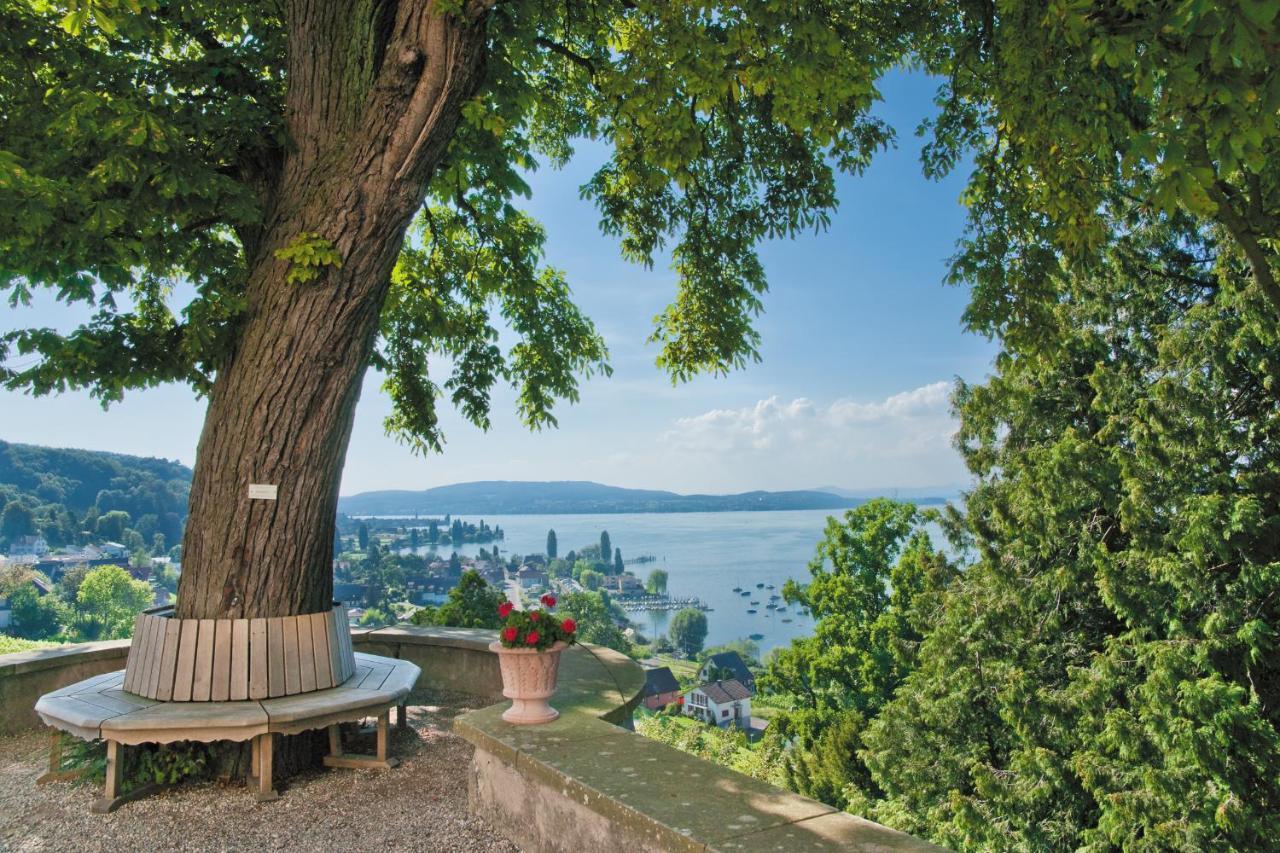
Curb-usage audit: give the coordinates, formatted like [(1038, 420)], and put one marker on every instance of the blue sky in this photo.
[(861, 342)]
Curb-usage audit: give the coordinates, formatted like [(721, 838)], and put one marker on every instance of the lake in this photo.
[(705, 554)]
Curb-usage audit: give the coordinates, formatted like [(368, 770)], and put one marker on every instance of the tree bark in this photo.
[(375, 94)]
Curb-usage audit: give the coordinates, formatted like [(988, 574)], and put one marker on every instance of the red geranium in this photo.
[(536, 628)]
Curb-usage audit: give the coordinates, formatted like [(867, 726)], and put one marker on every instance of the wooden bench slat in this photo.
[(275, 657), (144, 660), (306, 657), (320, 639), (335, 647), (132, 666), (152, 686), (292, 674), (221, 690), (147, 649), (239, 687), (202, 680), (373, 680), (348, 653), (186, 672), (258, 679), (169, 664)]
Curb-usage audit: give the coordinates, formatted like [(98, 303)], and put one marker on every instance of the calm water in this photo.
[(705, 554)]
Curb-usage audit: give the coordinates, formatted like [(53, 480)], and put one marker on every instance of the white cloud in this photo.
[(902, 440)]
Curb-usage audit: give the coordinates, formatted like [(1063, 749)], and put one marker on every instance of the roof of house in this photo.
[(660, 680), (725, 691), (733, 662)]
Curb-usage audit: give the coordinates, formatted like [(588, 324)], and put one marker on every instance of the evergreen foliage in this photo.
[(471, 604)]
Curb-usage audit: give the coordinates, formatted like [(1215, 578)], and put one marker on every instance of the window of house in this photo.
[(725, 712)]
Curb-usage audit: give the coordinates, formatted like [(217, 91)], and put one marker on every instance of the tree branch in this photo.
[(1239, 229), (576, 58)]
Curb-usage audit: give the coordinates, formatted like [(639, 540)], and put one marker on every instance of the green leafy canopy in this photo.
[(138, 140)]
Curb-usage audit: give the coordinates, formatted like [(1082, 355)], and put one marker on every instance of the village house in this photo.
[(660, 688), (724, 703), (625, 583), (27, 549), (728, 665), (531, 578), (6, 612), (494, 573)]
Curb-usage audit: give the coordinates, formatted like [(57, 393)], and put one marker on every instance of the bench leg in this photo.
[(402, 716), (338, 758), (112, 797), (264, 749), (55, 773)]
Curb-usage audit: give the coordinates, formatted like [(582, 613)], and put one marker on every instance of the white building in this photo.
[(531, 578), (725, 703), (27, 549)]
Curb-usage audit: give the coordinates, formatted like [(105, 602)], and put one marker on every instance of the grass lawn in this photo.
[(9, 645), (679, 667)]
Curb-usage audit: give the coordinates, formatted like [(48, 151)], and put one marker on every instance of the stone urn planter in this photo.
[(529, 680)]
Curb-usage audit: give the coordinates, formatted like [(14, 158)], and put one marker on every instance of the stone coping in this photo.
[(651, 794), (56, 657)]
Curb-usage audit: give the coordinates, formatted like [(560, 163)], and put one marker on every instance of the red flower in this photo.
[(505, 608), (509, 634), (531, 638), (549, 600), (568, 626), (680, 700)]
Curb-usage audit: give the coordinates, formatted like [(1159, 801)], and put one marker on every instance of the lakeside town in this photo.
[(392, 572)]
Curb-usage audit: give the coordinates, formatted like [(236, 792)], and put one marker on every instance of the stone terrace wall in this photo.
[(26, 676)]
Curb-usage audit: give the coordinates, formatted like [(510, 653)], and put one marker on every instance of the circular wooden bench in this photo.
[(218, 688)]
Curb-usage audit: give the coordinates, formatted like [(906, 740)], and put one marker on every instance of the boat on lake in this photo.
[(755, 603), (757, 637), (760, 586), (786, 620), (751, 611), (737, 589)]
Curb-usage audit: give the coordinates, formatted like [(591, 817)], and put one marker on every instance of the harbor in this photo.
[(660, 603)]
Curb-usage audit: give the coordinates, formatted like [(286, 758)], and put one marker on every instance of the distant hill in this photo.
[(58, 493), (501, 497), (928, 495)]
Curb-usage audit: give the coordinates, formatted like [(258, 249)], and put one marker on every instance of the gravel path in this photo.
[(420, 805)]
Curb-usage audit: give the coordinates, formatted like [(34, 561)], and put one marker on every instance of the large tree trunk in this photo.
[(375, 94)]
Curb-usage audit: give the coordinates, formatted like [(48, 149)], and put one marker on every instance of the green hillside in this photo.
[(75, 497)]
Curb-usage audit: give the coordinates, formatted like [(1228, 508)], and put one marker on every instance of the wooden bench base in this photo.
[(56, 772), (97, 708), (112, 797), (379, 761)]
